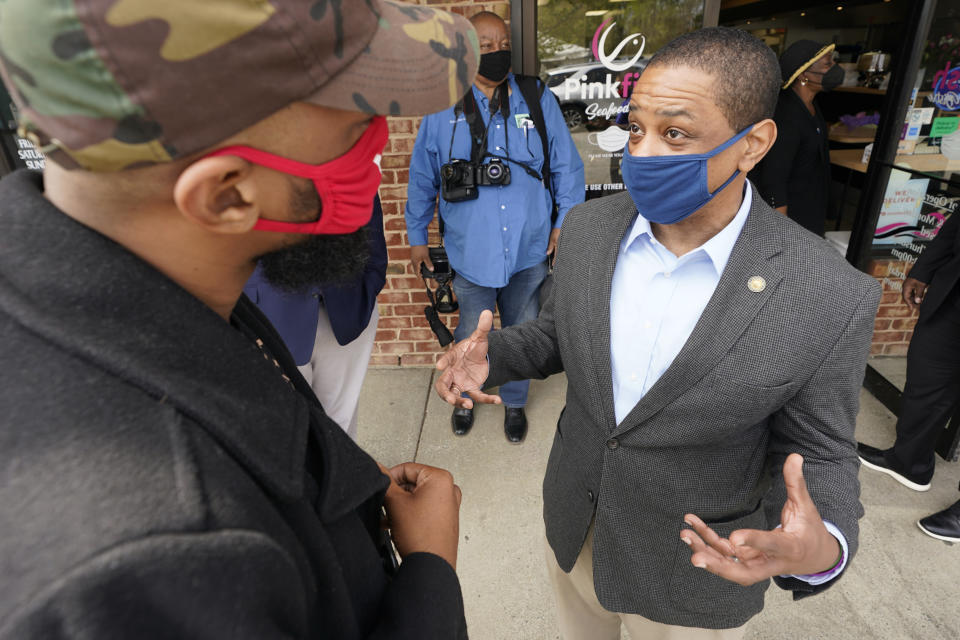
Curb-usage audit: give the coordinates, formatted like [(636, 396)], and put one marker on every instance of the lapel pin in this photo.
[(756, 284)]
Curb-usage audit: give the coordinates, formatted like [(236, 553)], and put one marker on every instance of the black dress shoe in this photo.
[(515, 424), (943, 525), (461, 420), (876, 459)]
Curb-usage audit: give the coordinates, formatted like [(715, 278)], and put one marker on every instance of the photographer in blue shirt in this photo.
[(495, 208)]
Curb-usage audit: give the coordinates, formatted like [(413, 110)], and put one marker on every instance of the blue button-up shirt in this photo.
[(645, 338), (507, 228)]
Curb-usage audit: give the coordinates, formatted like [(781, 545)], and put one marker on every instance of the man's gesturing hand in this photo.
[(801, 546), (423, 510), (465, 368)]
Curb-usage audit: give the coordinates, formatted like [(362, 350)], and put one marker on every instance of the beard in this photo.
[(317, 260)]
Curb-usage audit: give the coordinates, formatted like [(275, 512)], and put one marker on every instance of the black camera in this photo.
[(441, 300), (493, 174), (458, 181)]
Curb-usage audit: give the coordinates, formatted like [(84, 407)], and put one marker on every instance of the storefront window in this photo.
[(923, 189), (591, 53)]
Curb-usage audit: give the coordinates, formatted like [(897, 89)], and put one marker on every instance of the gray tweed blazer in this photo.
[(764, 373)]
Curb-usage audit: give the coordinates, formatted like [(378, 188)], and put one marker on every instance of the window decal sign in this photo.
[(600, 50), (612, 139), (946, 88)]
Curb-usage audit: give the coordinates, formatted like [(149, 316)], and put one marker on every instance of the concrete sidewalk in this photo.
[(901, 585)]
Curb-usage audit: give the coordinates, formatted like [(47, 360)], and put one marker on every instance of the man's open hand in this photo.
[(801, 546), (465, 368)]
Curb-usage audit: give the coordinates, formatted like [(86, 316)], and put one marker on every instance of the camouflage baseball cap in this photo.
[(106, 85)]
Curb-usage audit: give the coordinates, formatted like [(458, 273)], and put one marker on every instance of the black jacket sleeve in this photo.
[(422, 601), (940, 251), (226, 584), (207, 585)]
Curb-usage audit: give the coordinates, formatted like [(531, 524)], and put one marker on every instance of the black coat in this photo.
[(157, 480), (939, 268), (796, 171)]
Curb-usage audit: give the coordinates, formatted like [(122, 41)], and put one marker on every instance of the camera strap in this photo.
[(532, 88), (501, 97), (480, 132)]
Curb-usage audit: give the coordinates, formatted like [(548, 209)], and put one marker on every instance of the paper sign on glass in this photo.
[(944, 126)]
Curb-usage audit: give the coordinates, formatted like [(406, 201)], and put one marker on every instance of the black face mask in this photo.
[(831, 79), (495, 66)]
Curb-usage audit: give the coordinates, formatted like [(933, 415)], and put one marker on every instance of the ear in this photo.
[(759, 141), (218, 194)]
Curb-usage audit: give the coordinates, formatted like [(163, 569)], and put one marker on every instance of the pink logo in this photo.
[(600, 52)]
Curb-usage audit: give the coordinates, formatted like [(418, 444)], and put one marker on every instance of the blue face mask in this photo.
[(667, 189)]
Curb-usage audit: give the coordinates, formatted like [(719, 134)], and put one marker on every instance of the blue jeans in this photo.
[(518, 302)]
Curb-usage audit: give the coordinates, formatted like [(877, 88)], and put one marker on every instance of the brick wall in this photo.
[(403, 335), (894, 324)]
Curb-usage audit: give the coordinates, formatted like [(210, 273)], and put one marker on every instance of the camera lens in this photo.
[(447, 171), (494, 171)]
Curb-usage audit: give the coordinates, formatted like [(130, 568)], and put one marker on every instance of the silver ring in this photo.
[(735, 559)]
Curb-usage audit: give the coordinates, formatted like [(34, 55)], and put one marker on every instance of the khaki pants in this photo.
[(582, 617)]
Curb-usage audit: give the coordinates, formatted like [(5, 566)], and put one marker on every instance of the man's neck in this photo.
[(205, 264), (695, 230), (487, 87)]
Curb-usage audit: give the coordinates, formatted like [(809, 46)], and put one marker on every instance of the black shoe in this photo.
[(944, 525), (462, 420), (876, 459), (515, 424)]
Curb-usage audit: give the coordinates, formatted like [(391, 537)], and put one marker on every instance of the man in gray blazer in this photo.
[(707, 340)]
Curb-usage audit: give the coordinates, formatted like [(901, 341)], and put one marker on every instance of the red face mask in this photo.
[(346, 185)]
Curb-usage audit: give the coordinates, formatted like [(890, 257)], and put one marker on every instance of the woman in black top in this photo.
[(794, 177)]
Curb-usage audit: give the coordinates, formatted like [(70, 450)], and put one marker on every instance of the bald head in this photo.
[(493, 36), (487, 17)]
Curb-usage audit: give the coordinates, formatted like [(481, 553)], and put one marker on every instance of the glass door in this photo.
[(915, 181), (591, 52)]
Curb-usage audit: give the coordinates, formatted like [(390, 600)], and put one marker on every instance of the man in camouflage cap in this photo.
[(168, 472)]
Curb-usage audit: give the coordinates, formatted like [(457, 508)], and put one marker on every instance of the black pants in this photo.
[(932, 390)]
